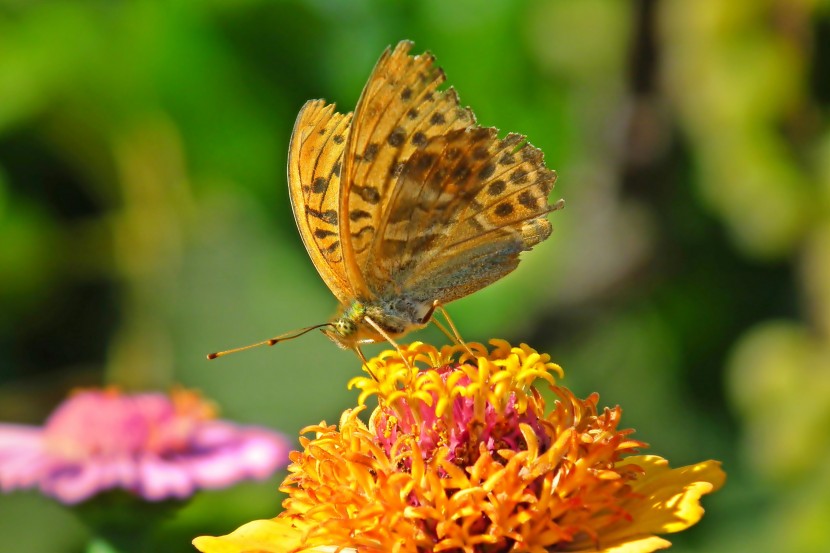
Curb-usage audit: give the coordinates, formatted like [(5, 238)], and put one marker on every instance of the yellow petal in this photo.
[(668, 500), (638, 545), (260, 536)]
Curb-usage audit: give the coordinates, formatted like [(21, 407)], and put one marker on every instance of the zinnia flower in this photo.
[(466, 457), (152, 445)]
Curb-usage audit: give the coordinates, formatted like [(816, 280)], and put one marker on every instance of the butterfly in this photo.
[(407, 204)]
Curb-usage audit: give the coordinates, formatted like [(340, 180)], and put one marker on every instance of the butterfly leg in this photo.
[(389, 339), (454, 335), (365, 363), (443, 329), (428, 318)]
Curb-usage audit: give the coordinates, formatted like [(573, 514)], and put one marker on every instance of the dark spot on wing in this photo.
[(452, 153), (461, 171), (367, 228), (419, 139), (480, 152), (329, 216), (507, 159), (437, 119), (504, 209), (396, 137), (369, 194), (358, 214), (545, 182), (519, 175), (531, 154), (511, 140), (319, 185), (323, 233), (424, 161), (406, 93), (338, 139), (527, 199), (480, 134), (333, 247), (412, 113), (370, 152), (496, 188), (336, 169), (487, 171)]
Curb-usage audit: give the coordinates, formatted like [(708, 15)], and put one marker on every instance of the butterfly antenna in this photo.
[(269, 342)]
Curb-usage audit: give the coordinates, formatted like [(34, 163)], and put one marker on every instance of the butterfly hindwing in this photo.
[(462, 210), (314, 165)]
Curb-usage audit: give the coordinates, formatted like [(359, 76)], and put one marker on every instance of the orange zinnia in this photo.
[(466, 457)]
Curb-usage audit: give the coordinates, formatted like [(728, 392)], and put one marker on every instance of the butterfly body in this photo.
[(394, 315), (407, 204)]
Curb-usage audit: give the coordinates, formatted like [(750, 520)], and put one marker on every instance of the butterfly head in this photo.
[(344, 329)]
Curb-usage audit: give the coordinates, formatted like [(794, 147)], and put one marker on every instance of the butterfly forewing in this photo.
[(399, 111), (314, 164)]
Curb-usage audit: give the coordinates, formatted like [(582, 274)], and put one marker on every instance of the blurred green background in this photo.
[(144, 221)]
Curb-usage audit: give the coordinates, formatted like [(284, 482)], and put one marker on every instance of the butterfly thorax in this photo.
[(395, 316)]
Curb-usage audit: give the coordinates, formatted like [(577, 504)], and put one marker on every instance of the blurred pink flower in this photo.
[(154, 445)]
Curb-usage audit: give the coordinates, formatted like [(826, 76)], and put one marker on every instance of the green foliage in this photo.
[(144, 221)]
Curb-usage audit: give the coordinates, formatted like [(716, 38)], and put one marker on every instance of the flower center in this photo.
[(463, 427)]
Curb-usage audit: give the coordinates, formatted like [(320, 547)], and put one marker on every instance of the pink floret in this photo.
[(153, 445)]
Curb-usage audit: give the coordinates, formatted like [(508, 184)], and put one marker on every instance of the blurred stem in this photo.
[(118, 543), (124, 523)]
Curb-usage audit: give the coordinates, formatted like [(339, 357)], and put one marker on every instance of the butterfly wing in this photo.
[(399, 112), (463, 209), (437, 206), (315, 160)]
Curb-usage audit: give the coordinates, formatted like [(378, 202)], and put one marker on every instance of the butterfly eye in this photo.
[(345, 327)]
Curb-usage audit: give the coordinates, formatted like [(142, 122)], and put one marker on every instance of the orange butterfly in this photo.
[(407, 204)]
